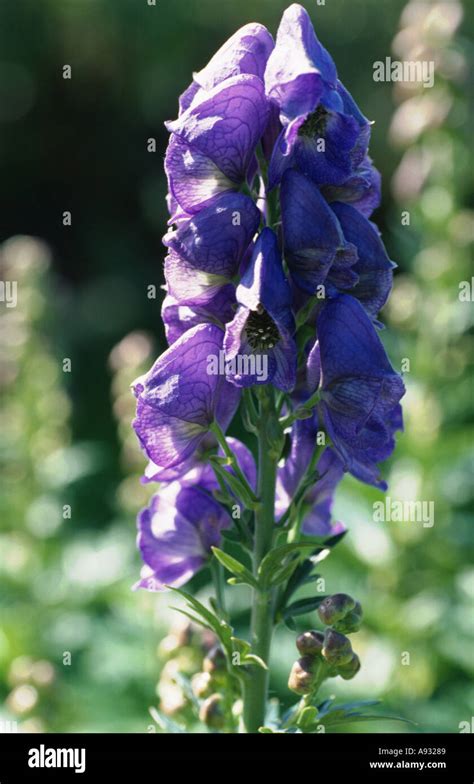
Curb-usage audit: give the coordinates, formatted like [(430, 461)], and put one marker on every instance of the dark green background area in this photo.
[(81, 145)]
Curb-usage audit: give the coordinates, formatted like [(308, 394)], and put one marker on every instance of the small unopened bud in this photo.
[(351, 622), (335, 608), (215, 660), (337, 648), (211, 712), (347, 671), (201, 684), (301, 676), (310, 643)]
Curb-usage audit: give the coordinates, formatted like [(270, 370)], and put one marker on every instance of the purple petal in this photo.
[(299, 66), (178, 399), (226, 127)]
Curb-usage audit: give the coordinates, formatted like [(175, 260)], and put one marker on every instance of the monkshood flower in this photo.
[(324, 133), (317, 520), (360, 391), (361, 190), (197, 470), (374, 269), (178, 318), (263, 325), (315, 247), (212, 147), (245, 52), (178, 401), (205, 253), (175, 535)]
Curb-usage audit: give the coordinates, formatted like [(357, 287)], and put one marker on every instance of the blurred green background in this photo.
[(78, 649)]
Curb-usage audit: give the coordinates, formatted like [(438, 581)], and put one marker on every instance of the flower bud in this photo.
[(310, 643), (215, 660), (351, 622), (201, 684), (302, 676), (335, 608), (349, 670), (211, 712), (337, 648)]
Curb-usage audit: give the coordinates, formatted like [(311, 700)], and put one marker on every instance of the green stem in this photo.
[(218, 580), (256, 684), (222, 441)]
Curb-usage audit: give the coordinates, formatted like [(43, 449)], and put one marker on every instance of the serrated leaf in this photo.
[(237, 568)]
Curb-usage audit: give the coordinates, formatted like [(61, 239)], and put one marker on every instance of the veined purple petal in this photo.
[(217, 237), (361, 190), (226, 127), (360, 390), (299, 67), (175, 534), (178, 399), (374, 268), (313, 239), (245, 52)]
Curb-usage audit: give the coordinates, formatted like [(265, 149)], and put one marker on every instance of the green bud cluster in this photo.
[(329, 653)]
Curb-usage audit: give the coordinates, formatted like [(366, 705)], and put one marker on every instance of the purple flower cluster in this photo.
[(271, 190)]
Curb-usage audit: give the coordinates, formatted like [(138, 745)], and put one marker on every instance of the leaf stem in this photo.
[(256, 684)]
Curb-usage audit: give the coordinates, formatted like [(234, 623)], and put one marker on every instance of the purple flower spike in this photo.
[(360, 390), (178, 399), (175, 535), (315, 247), (262, 331), (213, 142), (374, 268)]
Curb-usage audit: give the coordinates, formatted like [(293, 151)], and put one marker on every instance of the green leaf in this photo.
[(275, 559), (221, 629), (242, 574), (282, 574), (241, 646), (303, 606), (307, 717), (252, 658)]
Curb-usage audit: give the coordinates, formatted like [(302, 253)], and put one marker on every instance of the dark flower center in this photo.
[(315, 123), (262, 332)]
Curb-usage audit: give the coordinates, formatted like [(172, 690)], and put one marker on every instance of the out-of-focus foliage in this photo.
[(78, 649)]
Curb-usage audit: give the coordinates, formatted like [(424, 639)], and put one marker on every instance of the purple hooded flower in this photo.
[(360, 391), (197, 470), (205, 253), (176, 533), (245, 52), (179, 399), (315, 248), (318, 500), (324, 133), (212, 147), (374, 269), (178, 318), (361, 190), (263, 326)]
